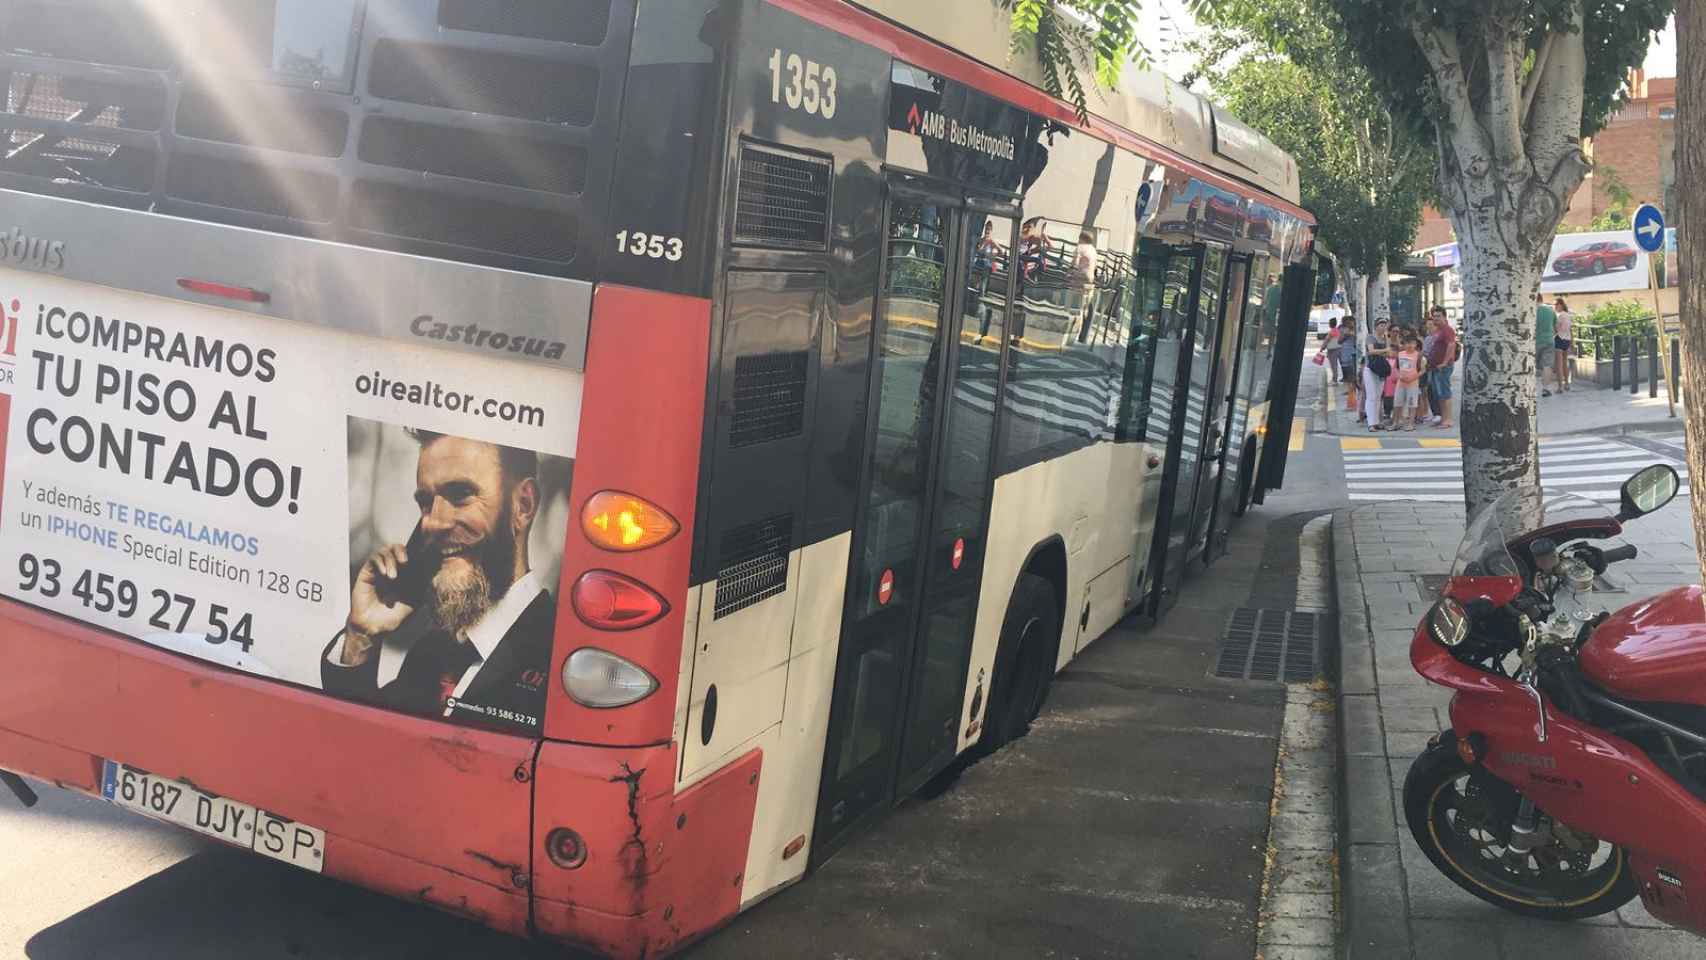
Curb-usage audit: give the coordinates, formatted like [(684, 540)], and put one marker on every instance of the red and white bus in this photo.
[(573, 462)]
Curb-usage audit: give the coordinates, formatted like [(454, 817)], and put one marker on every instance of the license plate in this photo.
[(230, 821)]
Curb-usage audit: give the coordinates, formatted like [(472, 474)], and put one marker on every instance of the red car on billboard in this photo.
[(1596, 258)]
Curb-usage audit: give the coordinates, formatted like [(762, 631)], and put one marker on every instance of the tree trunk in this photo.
[(1356, 297), (1691, 241), (1379, 298), (1510, 160), (1497, 419)]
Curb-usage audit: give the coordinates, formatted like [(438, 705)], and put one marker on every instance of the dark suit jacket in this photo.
[(507, 694)]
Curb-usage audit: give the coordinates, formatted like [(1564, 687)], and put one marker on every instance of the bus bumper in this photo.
[(418, 809)]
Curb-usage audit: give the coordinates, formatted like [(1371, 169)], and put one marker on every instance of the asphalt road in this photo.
[(1129, 824)]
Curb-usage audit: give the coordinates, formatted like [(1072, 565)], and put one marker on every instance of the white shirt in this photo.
[(484, 634)]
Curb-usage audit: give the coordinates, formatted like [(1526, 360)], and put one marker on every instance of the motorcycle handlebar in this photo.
[(1625, 552)]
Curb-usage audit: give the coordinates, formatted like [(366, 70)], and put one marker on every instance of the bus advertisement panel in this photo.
[(287, 500)]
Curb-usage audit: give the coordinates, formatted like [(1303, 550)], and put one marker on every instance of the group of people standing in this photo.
[(1400, 378)]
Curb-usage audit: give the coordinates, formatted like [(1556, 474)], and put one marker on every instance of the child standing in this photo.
[(1407, 370)]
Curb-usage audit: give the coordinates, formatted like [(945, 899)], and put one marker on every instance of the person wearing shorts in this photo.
[(1408, 367), (1562, 340), (1441, 353), (1545, 342)]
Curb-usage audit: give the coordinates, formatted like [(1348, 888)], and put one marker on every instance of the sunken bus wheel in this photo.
[(1024, 661), (1024, 667)]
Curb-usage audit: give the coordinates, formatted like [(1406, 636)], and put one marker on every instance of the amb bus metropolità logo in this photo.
[(938, 126)]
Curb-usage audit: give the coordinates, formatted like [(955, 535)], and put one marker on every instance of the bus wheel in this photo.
[(1245, 481), (1025, 660)]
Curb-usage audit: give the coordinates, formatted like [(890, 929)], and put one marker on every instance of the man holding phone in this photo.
[(455, 622)]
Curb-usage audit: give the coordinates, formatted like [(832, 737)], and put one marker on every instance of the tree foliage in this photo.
[(1283, 67), (1067, 34), (1616, 35)]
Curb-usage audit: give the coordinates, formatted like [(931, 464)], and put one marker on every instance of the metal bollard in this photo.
[(1634, 365), (1653, 367), (1616, 362), (1675, 366)]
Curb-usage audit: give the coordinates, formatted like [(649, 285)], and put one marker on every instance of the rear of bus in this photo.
[(344, 517)]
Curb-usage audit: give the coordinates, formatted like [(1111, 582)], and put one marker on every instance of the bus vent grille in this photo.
[(770, 398), (1263, 644), (783, 200), (753, 563)]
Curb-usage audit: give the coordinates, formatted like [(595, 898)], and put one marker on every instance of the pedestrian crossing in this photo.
[(1083, 403), (1591, 467)]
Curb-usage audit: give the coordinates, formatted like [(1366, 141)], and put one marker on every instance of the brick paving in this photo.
[(1397, 904)]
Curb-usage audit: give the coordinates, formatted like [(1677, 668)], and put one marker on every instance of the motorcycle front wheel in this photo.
[(1462, 818)]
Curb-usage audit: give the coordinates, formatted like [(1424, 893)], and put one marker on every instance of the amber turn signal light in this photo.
[(621, 521), (610, 601), (1471, 749)]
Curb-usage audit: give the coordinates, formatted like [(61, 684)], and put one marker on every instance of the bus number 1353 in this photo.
[(810, 87)]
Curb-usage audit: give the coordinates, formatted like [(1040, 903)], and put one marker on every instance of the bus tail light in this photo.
[(224, 291), (610, 601), (602, 680), (623, 522)]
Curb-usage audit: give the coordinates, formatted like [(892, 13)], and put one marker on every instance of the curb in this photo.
[(1370, 882)]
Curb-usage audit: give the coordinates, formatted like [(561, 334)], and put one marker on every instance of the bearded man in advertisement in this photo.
[(454, 623)]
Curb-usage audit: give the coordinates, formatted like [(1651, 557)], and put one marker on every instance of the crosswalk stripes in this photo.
[(1591, 467), (1081, 403)]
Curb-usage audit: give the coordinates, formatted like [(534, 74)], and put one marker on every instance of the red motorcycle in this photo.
[(1574, 774)]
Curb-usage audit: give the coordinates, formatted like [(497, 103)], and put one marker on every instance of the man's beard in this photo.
[(461, 598)]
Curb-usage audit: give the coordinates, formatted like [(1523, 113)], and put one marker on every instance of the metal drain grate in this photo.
[(1270, 645)]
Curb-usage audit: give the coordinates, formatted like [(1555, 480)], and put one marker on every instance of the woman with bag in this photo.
[(1376, 368)]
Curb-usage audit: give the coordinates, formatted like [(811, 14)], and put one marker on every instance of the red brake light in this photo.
[(611, 601), (224, 290)]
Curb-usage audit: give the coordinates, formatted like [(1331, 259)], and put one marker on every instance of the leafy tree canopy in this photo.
[(1365, 171), (1100, 34), (1616, 35)]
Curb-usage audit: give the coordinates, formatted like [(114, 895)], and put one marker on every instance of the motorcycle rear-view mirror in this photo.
[(1648, 490)]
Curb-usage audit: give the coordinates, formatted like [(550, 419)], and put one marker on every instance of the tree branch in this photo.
[(1532, 83), (1504, 112), (1446, 62), (1555, 119)]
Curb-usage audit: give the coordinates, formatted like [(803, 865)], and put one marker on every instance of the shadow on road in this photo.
[(225, 904)]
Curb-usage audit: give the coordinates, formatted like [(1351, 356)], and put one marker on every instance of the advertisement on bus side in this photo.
[(381, 521)]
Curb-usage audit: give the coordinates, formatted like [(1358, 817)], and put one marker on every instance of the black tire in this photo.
[(1024, 661), (1446, 808), (1246, 464), (1598, 267)]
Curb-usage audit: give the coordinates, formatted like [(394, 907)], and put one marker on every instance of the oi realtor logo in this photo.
[(9, 341)]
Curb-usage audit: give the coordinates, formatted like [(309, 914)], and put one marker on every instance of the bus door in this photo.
[(1195, 431), (918, 543), (1231, 374)]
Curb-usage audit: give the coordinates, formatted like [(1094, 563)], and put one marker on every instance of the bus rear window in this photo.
[(459, 130)]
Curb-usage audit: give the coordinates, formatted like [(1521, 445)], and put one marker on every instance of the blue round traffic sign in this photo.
[(1649, 226)]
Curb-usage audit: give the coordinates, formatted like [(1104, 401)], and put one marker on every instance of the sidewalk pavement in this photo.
[(1397, 905), (1585, 408)]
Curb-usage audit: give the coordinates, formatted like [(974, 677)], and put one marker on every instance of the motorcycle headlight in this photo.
[(1448, 622)]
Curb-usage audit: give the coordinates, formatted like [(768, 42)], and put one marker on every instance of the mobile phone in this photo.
[(415, 579)]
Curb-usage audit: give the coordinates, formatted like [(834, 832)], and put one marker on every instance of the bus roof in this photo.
[(1147, 104)]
